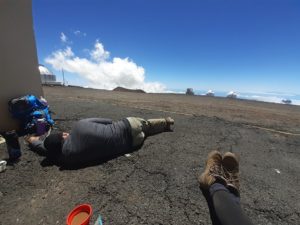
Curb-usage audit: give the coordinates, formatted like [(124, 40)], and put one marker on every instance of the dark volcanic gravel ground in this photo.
[(157, 184)]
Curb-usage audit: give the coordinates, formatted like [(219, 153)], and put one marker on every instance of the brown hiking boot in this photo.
[(230, 163), (170, 122), (155, 126), (213, 171)]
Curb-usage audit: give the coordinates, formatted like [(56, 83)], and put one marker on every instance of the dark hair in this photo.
[(53, 143)]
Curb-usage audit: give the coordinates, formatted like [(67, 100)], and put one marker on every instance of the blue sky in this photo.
[(223, 45)]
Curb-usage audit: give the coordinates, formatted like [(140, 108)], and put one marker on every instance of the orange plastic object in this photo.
[(80, 209)]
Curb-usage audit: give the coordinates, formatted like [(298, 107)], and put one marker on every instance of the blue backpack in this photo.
[(32, 113)]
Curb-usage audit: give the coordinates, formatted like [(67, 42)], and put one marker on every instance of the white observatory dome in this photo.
[(47, 77), (44, 70)]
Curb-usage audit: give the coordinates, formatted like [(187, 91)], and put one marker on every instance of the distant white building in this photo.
[(232, 94), (47, 77), (210, 93)]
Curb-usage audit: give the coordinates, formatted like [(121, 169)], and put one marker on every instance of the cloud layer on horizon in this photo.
[(270, 98), (100, 71)]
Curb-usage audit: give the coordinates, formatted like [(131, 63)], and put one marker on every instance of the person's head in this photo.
[(54, 143)]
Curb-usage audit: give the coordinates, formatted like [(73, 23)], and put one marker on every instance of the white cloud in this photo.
[(63, 37), (269, 98), (79, 33), (268, 93), (101, 72), (98, 53)]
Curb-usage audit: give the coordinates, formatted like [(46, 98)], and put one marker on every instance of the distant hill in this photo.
[(128, 90)]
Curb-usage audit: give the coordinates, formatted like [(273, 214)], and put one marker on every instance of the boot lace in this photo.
[(232, 177), (217, 171)]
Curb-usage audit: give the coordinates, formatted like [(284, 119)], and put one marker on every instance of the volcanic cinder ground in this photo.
[(158, 183)]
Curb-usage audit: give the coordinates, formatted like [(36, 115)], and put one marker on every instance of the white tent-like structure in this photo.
[(232, 94), (210, 93)]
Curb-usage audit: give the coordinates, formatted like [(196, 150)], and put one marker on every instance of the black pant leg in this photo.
[(228, 209), (212, 212)]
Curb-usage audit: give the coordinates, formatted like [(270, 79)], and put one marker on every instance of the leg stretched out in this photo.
[(220, 185), (141, 128)]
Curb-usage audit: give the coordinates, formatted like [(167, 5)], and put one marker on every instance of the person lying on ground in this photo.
[(220, 186), (94, 139)]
